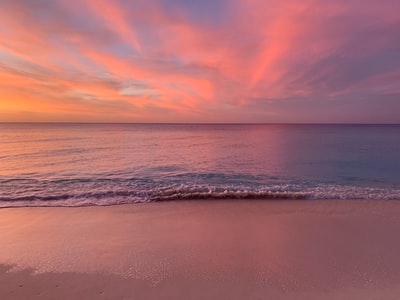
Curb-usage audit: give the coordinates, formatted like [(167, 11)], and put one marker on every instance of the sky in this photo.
[(292, 61)]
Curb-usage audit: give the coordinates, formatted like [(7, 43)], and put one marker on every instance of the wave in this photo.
[(88, 193), (212, 195), (169, 195), (68, 196)]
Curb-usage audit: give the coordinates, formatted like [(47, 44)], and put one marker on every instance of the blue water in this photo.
[(106, 164)]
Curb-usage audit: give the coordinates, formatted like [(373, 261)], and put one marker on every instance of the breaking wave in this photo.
[(111, 192)]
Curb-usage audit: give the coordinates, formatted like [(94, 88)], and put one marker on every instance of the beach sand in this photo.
[(230, 249)]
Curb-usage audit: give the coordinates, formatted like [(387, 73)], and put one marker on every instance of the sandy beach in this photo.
[(344, 249)]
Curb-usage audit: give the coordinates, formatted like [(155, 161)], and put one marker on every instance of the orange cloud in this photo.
[(166, 61)]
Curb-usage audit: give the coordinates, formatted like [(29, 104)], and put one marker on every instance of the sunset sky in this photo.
[(200, 61)]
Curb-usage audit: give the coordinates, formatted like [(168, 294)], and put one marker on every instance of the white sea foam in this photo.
[(125, 192)]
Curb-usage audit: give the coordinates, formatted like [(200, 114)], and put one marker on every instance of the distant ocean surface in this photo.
[(107, 164)]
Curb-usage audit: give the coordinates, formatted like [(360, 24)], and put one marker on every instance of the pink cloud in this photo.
[(147, 61), (116, 20)]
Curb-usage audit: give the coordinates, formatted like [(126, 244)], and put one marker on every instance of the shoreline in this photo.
[(225, 249), (206, 200)]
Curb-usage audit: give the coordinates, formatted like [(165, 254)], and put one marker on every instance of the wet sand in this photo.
[(203, 250)]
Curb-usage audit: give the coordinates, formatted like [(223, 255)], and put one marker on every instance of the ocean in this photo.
[(107, 164)]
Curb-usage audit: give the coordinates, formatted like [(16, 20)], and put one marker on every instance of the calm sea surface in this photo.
[(105, 164)]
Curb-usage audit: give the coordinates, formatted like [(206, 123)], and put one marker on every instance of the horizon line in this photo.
[(197, 123)]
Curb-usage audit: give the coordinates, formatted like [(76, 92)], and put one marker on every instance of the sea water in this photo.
[(106, 164)]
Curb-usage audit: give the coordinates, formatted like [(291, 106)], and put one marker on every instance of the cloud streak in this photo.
[(209, 61)]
